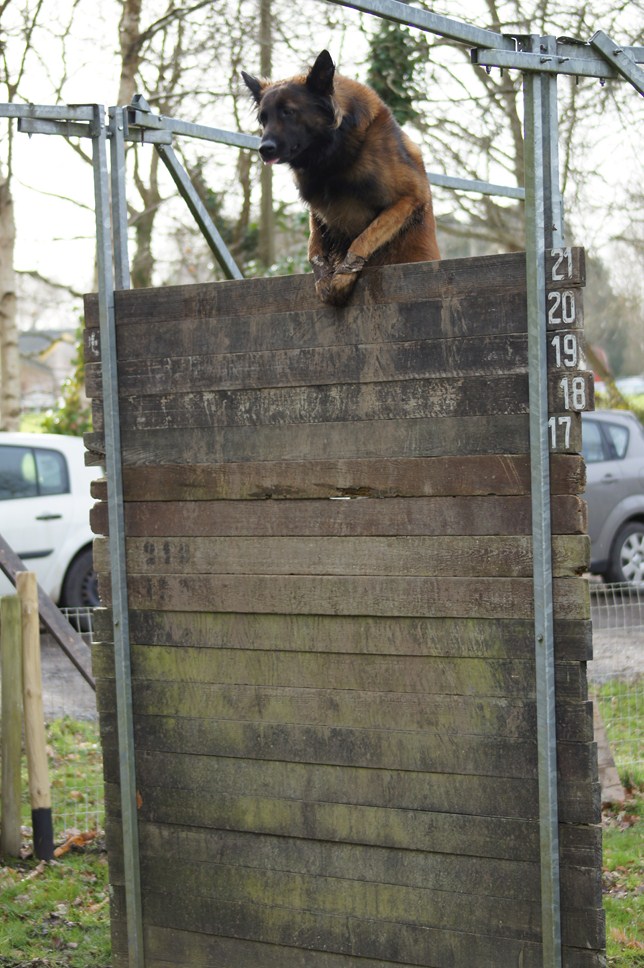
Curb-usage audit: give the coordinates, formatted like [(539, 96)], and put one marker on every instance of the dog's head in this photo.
[(294, 113)]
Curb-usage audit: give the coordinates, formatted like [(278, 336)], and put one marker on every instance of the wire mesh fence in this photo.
[(616, 674), (76, 769)]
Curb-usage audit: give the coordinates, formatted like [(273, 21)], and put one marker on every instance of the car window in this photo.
[(618, 438), (592, 444), (29, 472)]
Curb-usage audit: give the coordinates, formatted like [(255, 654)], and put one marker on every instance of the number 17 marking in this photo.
[(559, 426)]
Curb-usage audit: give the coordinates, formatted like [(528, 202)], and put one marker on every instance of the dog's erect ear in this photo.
[(320, 77), (254, 85)]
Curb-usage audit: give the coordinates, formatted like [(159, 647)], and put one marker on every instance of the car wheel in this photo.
[(627, 557), (80, 588)]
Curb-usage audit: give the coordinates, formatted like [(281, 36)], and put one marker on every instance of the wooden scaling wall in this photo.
[(328, 534)]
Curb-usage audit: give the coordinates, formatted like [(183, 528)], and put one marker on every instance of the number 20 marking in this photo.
[(562, 309)]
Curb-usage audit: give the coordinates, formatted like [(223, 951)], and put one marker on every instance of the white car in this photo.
[(44, 513)]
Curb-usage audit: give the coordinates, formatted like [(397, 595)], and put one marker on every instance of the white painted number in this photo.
[(574, 393), (566, 350), (559, 428), (561, 308), (559, 271)]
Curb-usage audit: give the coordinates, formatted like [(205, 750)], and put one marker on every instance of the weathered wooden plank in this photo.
[(483, 556), (430, 675), (168, 948), (353, 897), (507, 638), (173, 948), (424, 906), (366, 363), (386, 749), (413, 477), (320, 820), (372, 595), (147, 334), (197, 794), (395, 438), (201, 778), (490, 716), (449, 278), (462, 397), (402, 942), (473, 875), (438, 516)]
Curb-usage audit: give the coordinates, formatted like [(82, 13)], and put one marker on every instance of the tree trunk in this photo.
[(129, 43), (10, 357)]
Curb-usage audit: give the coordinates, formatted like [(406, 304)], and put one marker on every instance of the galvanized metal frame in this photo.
[(543, 223), (540, 59)]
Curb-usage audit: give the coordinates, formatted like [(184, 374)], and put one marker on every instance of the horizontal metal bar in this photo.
[(619, 58), (145, 136), (559, 63), (158, 122), (434, 23), (68, 129), (474, 185), (48, 112)]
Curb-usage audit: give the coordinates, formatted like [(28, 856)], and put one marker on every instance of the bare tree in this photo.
[(12, 72), (473, 123)]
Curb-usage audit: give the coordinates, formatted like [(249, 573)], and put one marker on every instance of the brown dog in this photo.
[(362, 178)]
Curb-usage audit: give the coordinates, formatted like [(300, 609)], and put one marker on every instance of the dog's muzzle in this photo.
[(268, 150)]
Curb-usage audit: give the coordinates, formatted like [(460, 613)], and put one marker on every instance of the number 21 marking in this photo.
[(561, 256)]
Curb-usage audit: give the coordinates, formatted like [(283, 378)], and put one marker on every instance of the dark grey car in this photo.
[(613, 446)]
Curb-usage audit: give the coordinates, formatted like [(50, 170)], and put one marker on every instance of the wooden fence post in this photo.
[(35, 742), (10, 750)]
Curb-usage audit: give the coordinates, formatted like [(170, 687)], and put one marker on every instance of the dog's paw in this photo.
[(335, 290), (321, 268)]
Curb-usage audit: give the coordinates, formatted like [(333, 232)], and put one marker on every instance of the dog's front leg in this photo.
[(322, 267), (383, 229)]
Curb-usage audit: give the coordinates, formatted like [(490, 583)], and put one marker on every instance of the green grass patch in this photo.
[(622, 709), (57, 913), (623, 884)]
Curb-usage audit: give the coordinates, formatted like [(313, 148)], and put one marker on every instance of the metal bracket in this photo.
[(577, 59), (620, 57)]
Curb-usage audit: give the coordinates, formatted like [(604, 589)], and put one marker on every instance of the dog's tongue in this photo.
[(271, 161)]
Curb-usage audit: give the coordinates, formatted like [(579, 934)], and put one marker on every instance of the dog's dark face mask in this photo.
[(294, 114)]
